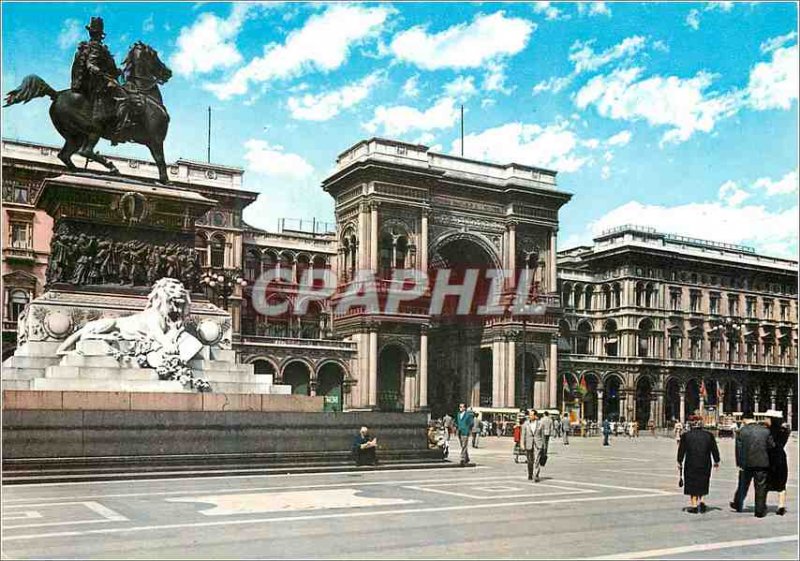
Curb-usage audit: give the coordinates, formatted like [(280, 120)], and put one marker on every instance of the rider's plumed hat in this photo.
[(96, 26)]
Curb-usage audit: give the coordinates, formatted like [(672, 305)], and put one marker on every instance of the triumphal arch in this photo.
[(403, 207)]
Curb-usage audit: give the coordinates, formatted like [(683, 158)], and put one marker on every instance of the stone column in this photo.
[(599, 405), (789, 403), (496, 374), (408, 392), (660, 418), (423, 242), (702, 404), (423, 367), (373, 236), (739, 399), (363, 237), (511, 371), (553, 260), (683, 404), (552, 372), (373, 367), (756, 399), (511, 257), (720, 399)]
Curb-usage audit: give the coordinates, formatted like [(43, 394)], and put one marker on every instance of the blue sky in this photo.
[(680, 116)]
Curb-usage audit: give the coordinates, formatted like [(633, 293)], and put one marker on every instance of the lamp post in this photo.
[(731, 329), (223, 283)]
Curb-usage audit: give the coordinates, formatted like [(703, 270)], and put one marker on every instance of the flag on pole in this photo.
[(565, 385), (719, 392), (584, 387), (703, 391)]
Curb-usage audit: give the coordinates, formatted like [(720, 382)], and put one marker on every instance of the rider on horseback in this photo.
[(94, 74)]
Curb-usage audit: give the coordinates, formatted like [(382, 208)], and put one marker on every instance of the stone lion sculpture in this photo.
[(161, 322)]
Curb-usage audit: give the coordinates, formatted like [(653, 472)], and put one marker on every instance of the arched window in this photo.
[(303, 263), (268, 260), (252, 264), (606, 297), (578, 298), (17, 302), (218, 251), (644, 336), (588, 304), (564, 336), (582, 341), (639, 294), (611, 343), (650, 296), (566, 292), (617, 295), (201, 247)]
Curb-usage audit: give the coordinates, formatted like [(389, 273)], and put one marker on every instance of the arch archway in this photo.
[(525, 380), (612, 406), (330, 377), (644, 395), (297, 374), (392, 361), (672, 401), (263, 367), (692, 396)]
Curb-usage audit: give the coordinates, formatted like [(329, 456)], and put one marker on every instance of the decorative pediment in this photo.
[(20, 279)]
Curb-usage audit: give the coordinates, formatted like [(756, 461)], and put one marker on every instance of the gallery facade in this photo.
[(649, 339)]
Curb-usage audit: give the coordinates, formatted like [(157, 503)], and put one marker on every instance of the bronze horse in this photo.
[(71, 112)]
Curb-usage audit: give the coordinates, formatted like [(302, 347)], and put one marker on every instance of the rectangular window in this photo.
[(768, 359), (20, 194), (768, 309), (751, 307), (733, 305), (694, 301), (713, 304), (697, 348), (714, 349), (784, 311), (751, 352), (675, 347), (20, 235), (675, 300)]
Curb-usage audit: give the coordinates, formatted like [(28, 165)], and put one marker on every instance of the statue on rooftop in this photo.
[(99, 105)]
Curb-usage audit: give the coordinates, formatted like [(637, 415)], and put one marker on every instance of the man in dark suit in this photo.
[(533, 443), (752, 458), (464, 421), (606, 431)]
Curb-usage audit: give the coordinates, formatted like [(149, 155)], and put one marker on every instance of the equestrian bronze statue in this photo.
[(106, 102)]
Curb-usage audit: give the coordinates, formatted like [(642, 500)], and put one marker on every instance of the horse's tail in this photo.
[(31, 87)]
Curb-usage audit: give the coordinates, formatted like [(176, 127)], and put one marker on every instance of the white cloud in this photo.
[(322, 44), (774, 84), (209, 43), (605, 172), (594, 9), (487, 102), (70, 34), (274, 161), (680, 103), (148, 25), (770, 232), (326, 105), (586, 60), (461, 88), (495, 79), (425, 138), (771, 44), (554, 84), (399, 119), (549, 11), (786, 185), (467, 45), (731, 194), (620, 139), (411, 87), (693, 17), (555, 146)]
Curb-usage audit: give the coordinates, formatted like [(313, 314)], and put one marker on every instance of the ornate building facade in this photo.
[(659, 326), (401, 206)]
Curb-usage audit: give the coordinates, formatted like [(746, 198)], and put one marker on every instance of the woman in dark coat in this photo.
[(778, 468), (695, 451)]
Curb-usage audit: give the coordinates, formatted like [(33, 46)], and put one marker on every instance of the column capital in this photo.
[(512, 224), (363, 206), (424, 329), (373, 205)]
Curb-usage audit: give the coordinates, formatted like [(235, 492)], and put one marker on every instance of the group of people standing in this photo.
[(760, 457)]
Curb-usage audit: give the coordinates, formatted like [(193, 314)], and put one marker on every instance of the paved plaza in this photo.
[(620, 501)]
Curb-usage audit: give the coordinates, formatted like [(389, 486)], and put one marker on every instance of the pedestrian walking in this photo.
[(606, 431), (651, 426), (464, 423), (533, 443), (547, 429), (565, 428), (447, 422), (678, 431), (778, 467), (752, 456), (695, 452), (583, 428), (477, 426)]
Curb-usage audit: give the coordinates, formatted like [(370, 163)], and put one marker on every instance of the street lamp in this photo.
[(731, 329), (222, 284)]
